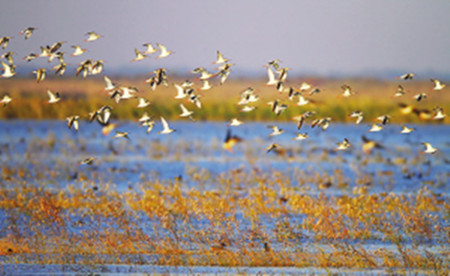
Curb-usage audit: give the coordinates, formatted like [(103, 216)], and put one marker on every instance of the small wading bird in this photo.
[(163, 51), (407, 76), (27, 32), (72, 121), (399, 92), (235, 122), (143, 103), (77, 51), (88, 161), (345, 144), (92, 36), (375, 128), (220, 59), (185, 112), (5, 100), (8, 70), (275, 130), (369, 145), (139, 56), (40, 74), (230, 141), (8, 56), (358, 115), (438, 85), (301, 136), (4, 41), (347, 91), (166, 128), (121, 134), (53, 98), (439, 113), (406, 130), (150, 49), (429, 149)]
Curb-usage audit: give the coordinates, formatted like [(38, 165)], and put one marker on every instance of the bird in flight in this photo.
[(53, 98), (92, 36), (429, 149), (166, 128), (230, 141)]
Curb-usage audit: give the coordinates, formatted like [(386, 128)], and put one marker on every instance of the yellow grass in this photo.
[(166, 224)]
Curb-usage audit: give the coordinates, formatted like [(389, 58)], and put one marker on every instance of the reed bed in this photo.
[(247, 219), (81, 96)]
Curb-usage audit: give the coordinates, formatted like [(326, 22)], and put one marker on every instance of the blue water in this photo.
[(46, 147)]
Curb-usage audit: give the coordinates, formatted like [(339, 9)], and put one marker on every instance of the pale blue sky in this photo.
[(322, 37)]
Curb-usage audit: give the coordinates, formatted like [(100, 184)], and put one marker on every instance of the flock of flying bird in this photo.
[(277, 77)]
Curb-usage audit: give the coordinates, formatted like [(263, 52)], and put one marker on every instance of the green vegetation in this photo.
[(81, 96)]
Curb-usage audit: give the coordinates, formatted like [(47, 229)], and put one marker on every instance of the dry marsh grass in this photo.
[(250, 219)]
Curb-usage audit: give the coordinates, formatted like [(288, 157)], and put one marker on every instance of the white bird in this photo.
[(399, 92), (53, 98), (143, 103), (5, 100), (60, 69), (206, 85), (109, 84), (406, 130), (439, 113), (139, 55), (77, 50), (375, 128), (72, 121), (407, 76), (420, 96), (40, 74), (166, 128), (103, 114), (324, 123), (302, 101), (301, 136), (92, 36), (272, 81), (144, 117), (429, 148), (248, 108), (358, 115), (220, 59), (149, 124), (347, 91), (343, 145), (438, 85), (150, 49), (164, 52), (121, 134), (384, 119), (305, 86), (204, 74), (185, 112), (128, 92), (235, 122), (8, 70), (181, 93), (275, 130), (97, 67)]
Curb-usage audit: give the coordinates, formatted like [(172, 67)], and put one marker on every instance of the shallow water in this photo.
[(44, 146)]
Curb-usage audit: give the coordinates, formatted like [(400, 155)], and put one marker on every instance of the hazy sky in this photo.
[(323, 37)]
